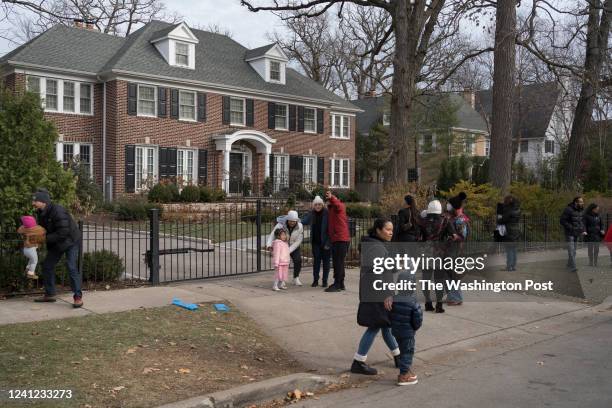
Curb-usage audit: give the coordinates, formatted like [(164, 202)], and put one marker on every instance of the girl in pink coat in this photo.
[(280, 259)]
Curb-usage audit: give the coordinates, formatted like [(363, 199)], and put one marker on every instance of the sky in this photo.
[(248, 28)]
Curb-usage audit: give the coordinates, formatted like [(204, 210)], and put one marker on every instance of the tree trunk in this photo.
[(404, 74), (500, 170), (596, 45)]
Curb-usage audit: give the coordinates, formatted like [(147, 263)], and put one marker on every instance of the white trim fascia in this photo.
[(226, 90), (272, 57), (331, 112), (45, 70), (459, 129), (193, 39)]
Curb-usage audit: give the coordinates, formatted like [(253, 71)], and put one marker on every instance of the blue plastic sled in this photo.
[(221, 307), (189, 306)]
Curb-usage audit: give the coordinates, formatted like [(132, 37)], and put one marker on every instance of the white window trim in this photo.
[(315, 120), (487, 148), (333, 175), (155, 148), (553, 146), (386, 119), (176, 43), (194, 180), (154, 115), (76, 151), (243, 124), (286, 127), (314, 169), (348, 129), (60, 95), (280, 71), (276, 185), (195, 106)]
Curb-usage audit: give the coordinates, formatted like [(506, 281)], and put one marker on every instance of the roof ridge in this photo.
[(128, 42)]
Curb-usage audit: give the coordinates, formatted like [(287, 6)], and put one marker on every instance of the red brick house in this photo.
[(171, 102)]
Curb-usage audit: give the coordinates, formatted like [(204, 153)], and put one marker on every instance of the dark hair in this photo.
[(379, 224), (576, 199), (590, 208), (413, 210), (278, 232)]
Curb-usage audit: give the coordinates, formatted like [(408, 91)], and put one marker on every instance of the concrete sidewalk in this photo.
[(320, 328)]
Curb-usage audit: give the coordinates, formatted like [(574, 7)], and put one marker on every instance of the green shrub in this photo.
[(246, 186), (102, 266), (135, 209), (291, 200), (205, 194), (317, 190), (250, 215), (160, 193), (348, 196), (175, 194), (190, 194), (218, 195), (267, 187), (89, 195), (376, 211), (355, 210)]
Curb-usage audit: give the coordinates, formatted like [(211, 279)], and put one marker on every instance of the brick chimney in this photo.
[(79, 23), (89, 25), (470, 97)]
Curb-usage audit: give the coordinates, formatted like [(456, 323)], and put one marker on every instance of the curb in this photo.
[(247, 394)]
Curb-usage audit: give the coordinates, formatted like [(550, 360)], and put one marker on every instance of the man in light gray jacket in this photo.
[(291, 223)]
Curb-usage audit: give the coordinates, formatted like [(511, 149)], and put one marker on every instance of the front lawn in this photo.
[(140, 358)]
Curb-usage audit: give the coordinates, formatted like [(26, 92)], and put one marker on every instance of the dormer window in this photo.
[(275, 71), (182, 54)]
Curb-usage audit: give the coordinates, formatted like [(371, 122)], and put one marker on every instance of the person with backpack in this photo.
[(594, 227), (437, 232), (62, 237), (461, 224), (408, 227)]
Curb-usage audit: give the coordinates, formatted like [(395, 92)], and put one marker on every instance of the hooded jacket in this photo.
[(572, 221), (296, 235), (511, 217), (593, 225), (62, 231)]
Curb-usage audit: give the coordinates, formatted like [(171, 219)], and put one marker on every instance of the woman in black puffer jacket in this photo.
[(593, 224), (510, 217)]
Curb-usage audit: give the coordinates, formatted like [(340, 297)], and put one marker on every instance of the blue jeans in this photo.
[(572, 243), (321, 256), (406, 346), (368, 339), (510, 256), (453, 295), (48, 267)]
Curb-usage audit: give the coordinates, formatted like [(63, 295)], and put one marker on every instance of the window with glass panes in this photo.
[(275, 71), (524, 146), (487, 147), (68, 96), (68, 154), (182, 54), (339, 173), (549, 146), (145, 166), (310, 170), (281, 172), (187, 109), (33, 84), (280, 116), (85, 98), (146, 100), (310, 120), (85, 157), (340, 126), (51, 94), (237, 111), (185, 165)]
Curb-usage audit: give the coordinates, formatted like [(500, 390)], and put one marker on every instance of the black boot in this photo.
[(333, 288), (314, 284), (396, 360), (439, 308), (429, 307), (359, 367)]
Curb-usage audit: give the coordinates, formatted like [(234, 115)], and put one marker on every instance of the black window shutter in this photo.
[(163, 163), (300, 127), (132, 98), (292, 115), (130, 168), (320, 170), (250, 112), (162, 102), (202, 167), (226, 110), (272, 168), (171, 163), (271, 115), (174, 103), (319, 120), (296, 170), (201, 107)]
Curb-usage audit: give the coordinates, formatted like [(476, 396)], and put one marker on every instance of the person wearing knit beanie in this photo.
[(320, 243), (456, 202)]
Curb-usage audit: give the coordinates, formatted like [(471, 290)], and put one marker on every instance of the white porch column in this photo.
[(226, 169), (267, 162)]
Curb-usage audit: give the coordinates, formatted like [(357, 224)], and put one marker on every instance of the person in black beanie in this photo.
[(63, 237)]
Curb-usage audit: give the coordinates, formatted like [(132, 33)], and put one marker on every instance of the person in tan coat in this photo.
[(33, 236)]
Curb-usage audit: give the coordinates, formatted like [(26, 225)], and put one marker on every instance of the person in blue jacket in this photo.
[(319, 240)]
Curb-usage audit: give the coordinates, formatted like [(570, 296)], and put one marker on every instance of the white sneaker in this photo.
[(296, 282), (275, 287), (283, 285)]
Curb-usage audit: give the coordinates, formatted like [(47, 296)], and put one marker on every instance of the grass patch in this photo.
[(140, 358)]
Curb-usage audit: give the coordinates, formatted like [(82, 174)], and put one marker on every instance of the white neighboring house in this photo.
[(543, 116)]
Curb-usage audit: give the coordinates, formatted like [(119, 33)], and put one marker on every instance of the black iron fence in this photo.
[(225, 240)]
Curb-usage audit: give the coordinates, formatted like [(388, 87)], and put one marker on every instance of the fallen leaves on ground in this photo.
[(184, 371), (149, 370)]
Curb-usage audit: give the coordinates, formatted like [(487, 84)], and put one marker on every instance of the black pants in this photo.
[(321, 256), (339, 251), (593, 248), (438, 277), (296, 257)]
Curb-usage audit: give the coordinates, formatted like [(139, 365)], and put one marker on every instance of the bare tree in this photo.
[(120, 17)]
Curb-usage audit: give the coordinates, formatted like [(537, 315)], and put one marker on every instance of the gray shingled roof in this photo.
[(219, 60), (373, 108), (258, 52), (533, 108), (164, 31)]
